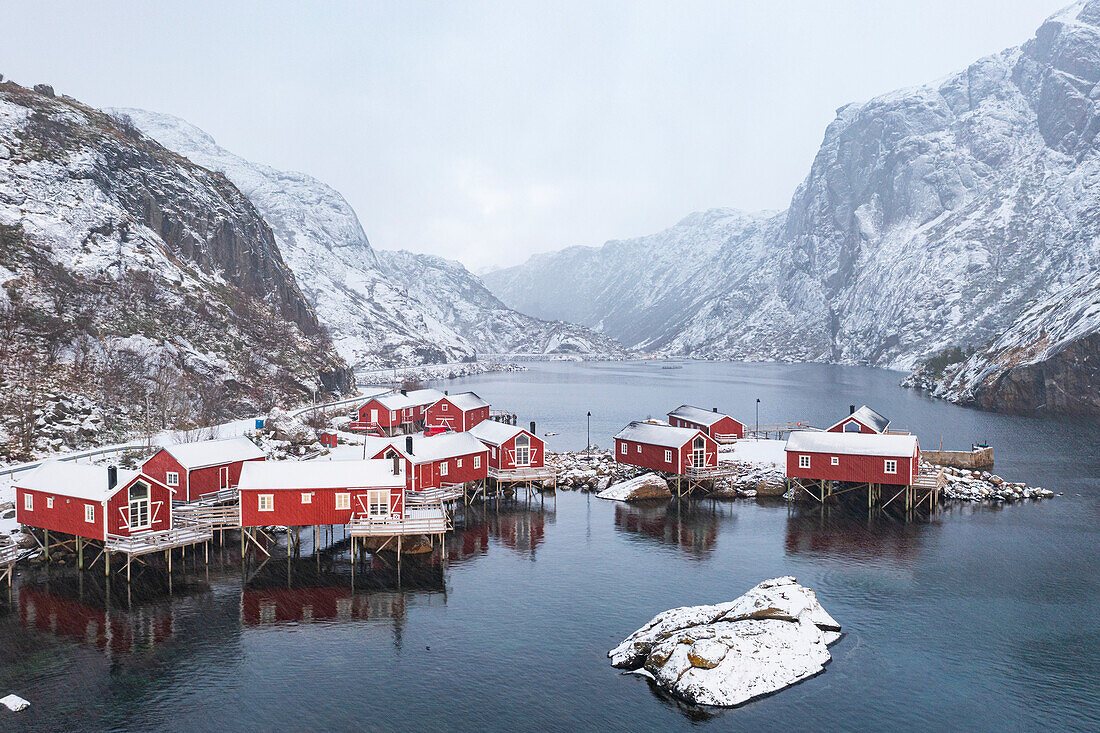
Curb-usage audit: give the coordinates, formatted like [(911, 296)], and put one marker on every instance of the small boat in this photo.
[(549, 435), (672, 366)]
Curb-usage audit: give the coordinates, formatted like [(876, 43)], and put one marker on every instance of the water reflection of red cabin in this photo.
[(695, 532), (115, 631), (851, 537), (266, 606)]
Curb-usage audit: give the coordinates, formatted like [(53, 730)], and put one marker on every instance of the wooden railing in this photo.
[(429, 519), (522, 474), (186, 532), (710, 472), (724, 437), (434, 495), (929, 478), (9, 553), (216, 516)]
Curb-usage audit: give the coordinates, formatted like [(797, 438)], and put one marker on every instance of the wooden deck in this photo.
[(437, 495), (428, 519), (512, 475), (214, 516), (186, 532)]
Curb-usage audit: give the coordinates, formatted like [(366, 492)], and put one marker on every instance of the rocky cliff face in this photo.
[(932, 219), (134, 276), (383, 308)]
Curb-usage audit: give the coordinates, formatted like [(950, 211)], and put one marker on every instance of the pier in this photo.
[(924, 491)]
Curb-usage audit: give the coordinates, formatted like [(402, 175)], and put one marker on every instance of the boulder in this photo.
[(648, 486), (44, 89), (291, 428), (770, 638)]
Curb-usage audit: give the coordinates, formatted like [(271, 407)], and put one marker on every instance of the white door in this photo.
[(374, 416), (223, 477)]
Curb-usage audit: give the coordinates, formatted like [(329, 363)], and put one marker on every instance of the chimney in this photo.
[(396, 465), (112, 477), (446, 391), (409, 444), (533, 428), (405, 392), (714, 409), (851, 409)]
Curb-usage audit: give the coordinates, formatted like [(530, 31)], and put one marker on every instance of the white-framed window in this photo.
[(803, 461), (307, 497), (443, 407), (89, 513), (28, 502), (343, 501), (622, 449), (668, 456), (477, 461), (834, 461), (49, 502), (891, 467), (172, 478), (265, 503), (393, 415), (638, 448), (443, 468), (378, 503), (458, 463), (494, 451)]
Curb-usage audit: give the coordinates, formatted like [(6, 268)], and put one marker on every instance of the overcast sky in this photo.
[(489, 131)]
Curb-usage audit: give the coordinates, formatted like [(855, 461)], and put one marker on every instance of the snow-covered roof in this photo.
[(466, 401), (413, 398), (654, 434), (697, 415), (78, 480), (859, 444), (438, 447), (868, 417), (214, 452), (371, 473), (495, 433)]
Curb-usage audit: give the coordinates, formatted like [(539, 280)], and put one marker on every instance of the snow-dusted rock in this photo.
[(648, 486), (14, 703), (290, 428), (771, 637)]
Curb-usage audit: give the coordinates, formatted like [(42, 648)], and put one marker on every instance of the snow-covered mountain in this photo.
[(138, 281), (383, 308), (935, 220)]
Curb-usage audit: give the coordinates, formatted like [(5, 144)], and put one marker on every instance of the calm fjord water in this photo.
[(987, 618)]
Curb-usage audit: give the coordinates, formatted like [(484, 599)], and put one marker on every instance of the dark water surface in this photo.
[(986, 618)]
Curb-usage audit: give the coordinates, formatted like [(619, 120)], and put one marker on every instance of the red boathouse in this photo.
[(205, 467), (864, 458), (722, 428), (660, 447), (320, 492), (457, 412), (398, 412), (449, 459), (91, 501), (864, 420), (511, 446)]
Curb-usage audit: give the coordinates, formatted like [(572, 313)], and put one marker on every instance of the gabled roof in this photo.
[(413, 398), (78, 480), (437, 447), (654, 434), (466, 401), (317, 474), (868, 417), (206, 453), (495, 433), (698, 415), (859, 444)]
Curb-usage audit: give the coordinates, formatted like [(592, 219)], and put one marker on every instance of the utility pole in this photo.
[(757, 417), (588, 442)]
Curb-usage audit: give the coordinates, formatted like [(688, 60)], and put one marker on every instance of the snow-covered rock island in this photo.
[(770, 638)]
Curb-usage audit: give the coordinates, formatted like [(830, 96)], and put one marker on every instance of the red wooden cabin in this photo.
[(660, 447), (320, 492), (204, 467), (397, 412), (511, 446), (90, 501), (856, 457), (441, 460), (713, 423), (864, 420), (457, 412)]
